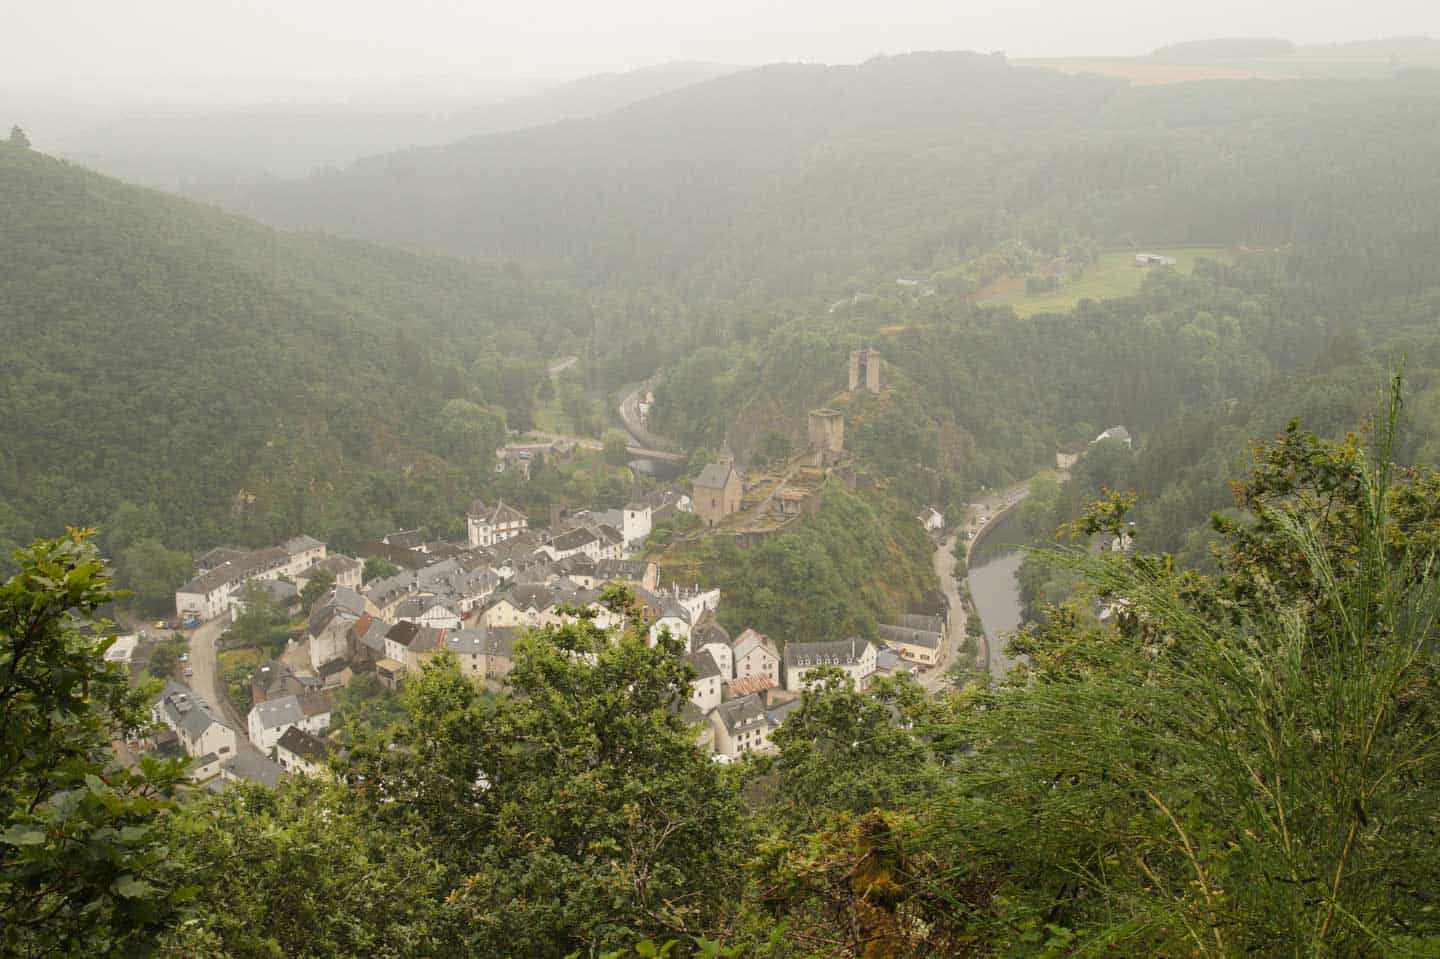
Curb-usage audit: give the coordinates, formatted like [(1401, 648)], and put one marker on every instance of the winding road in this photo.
[(205, 661)]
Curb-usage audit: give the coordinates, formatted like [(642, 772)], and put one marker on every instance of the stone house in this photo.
[(718, 491), (757, 655)]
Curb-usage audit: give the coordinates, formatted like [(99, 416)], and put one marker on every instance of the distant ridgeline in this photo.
[(796, 180)]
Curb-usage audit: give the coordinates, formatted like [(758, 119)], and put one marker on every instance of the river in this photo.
[(996, 591)]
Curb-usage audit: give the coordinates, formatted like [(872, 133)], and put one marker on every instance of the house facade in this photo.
[(854, 656), (741, 726), (199, 731), (487, 525), (718, 491), (757, 655)]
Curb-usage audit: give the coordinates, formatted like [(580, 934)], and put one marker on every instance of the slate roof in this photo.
[(910, 637), (931, 624), (281, 711), (741, 714), (335, 666), (497, 515), (337, 564), (300, 544), (403, 633), (322, 616), (254, 768), (247, 565), (304, 744), (837, 652), (218, 556), (186, 709), (709, 631), (630, 570), (714, 476), (406, 538), (746, 642), (704, 664), (482, 642), (574, 539)]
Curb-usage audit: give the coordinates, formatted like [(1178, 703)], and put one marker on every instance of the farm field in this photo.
[(1113, 275)]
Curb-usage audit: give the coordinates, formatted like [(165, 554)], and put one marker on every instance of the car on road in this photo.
[(189, 672), (184, 657)]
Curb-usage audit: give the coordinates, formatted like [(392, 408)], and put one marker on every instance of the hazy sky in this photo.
[(47, 39)]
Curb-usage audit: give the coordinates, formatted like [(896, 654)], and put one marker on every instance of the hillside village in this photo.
[(472, 600)]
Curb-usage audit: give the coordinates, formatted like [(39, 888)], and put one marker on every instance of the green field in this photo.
[(1112, 275)]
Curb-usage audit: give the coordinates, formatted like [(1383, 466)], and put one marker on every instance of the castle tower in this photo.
[(826, 431), (865, 370)]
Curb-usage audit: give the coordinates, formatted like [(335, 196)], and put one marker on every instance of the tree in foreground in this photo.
[(1247, 766), (575, 813), (83, 871)]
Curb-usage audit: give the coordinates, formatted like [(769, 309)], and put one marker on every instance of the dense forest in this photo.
[(177, 374)]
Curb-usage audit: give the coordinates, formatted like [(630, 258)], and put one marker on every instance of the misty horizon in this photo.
[(553, 41)]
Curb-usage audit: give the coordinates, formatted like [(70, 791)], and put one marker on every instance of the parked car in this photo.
[(189, 672), (184, 657)]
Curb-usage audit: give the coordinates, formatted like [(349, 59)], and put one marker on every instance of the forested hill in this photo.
[(794, 179), (227, 380)]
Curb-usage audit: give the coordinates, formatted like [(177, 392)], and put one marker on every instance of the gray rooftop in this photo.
[(838, 652), (741, 714), (714, 476), (253, 768), (274, 713)]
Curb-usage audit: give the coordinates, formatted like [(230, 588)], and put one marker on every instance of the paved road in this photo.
[(630, 416), (587, 443), (944, 560), (204, 660)]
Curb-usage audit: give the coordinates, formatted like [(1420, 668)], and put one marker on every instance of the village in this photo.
[(473, 599)]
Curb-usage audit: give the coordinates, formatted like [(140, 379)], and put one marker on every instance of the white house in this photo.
[(302, 753), (303, 552), (199, 730), (269, 720), (345, 570), (705, 688), (427, 611), (676, 619), (741, 726), (855, 656), (486, 526), (710, 637), (216, 589), (918, 642)]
